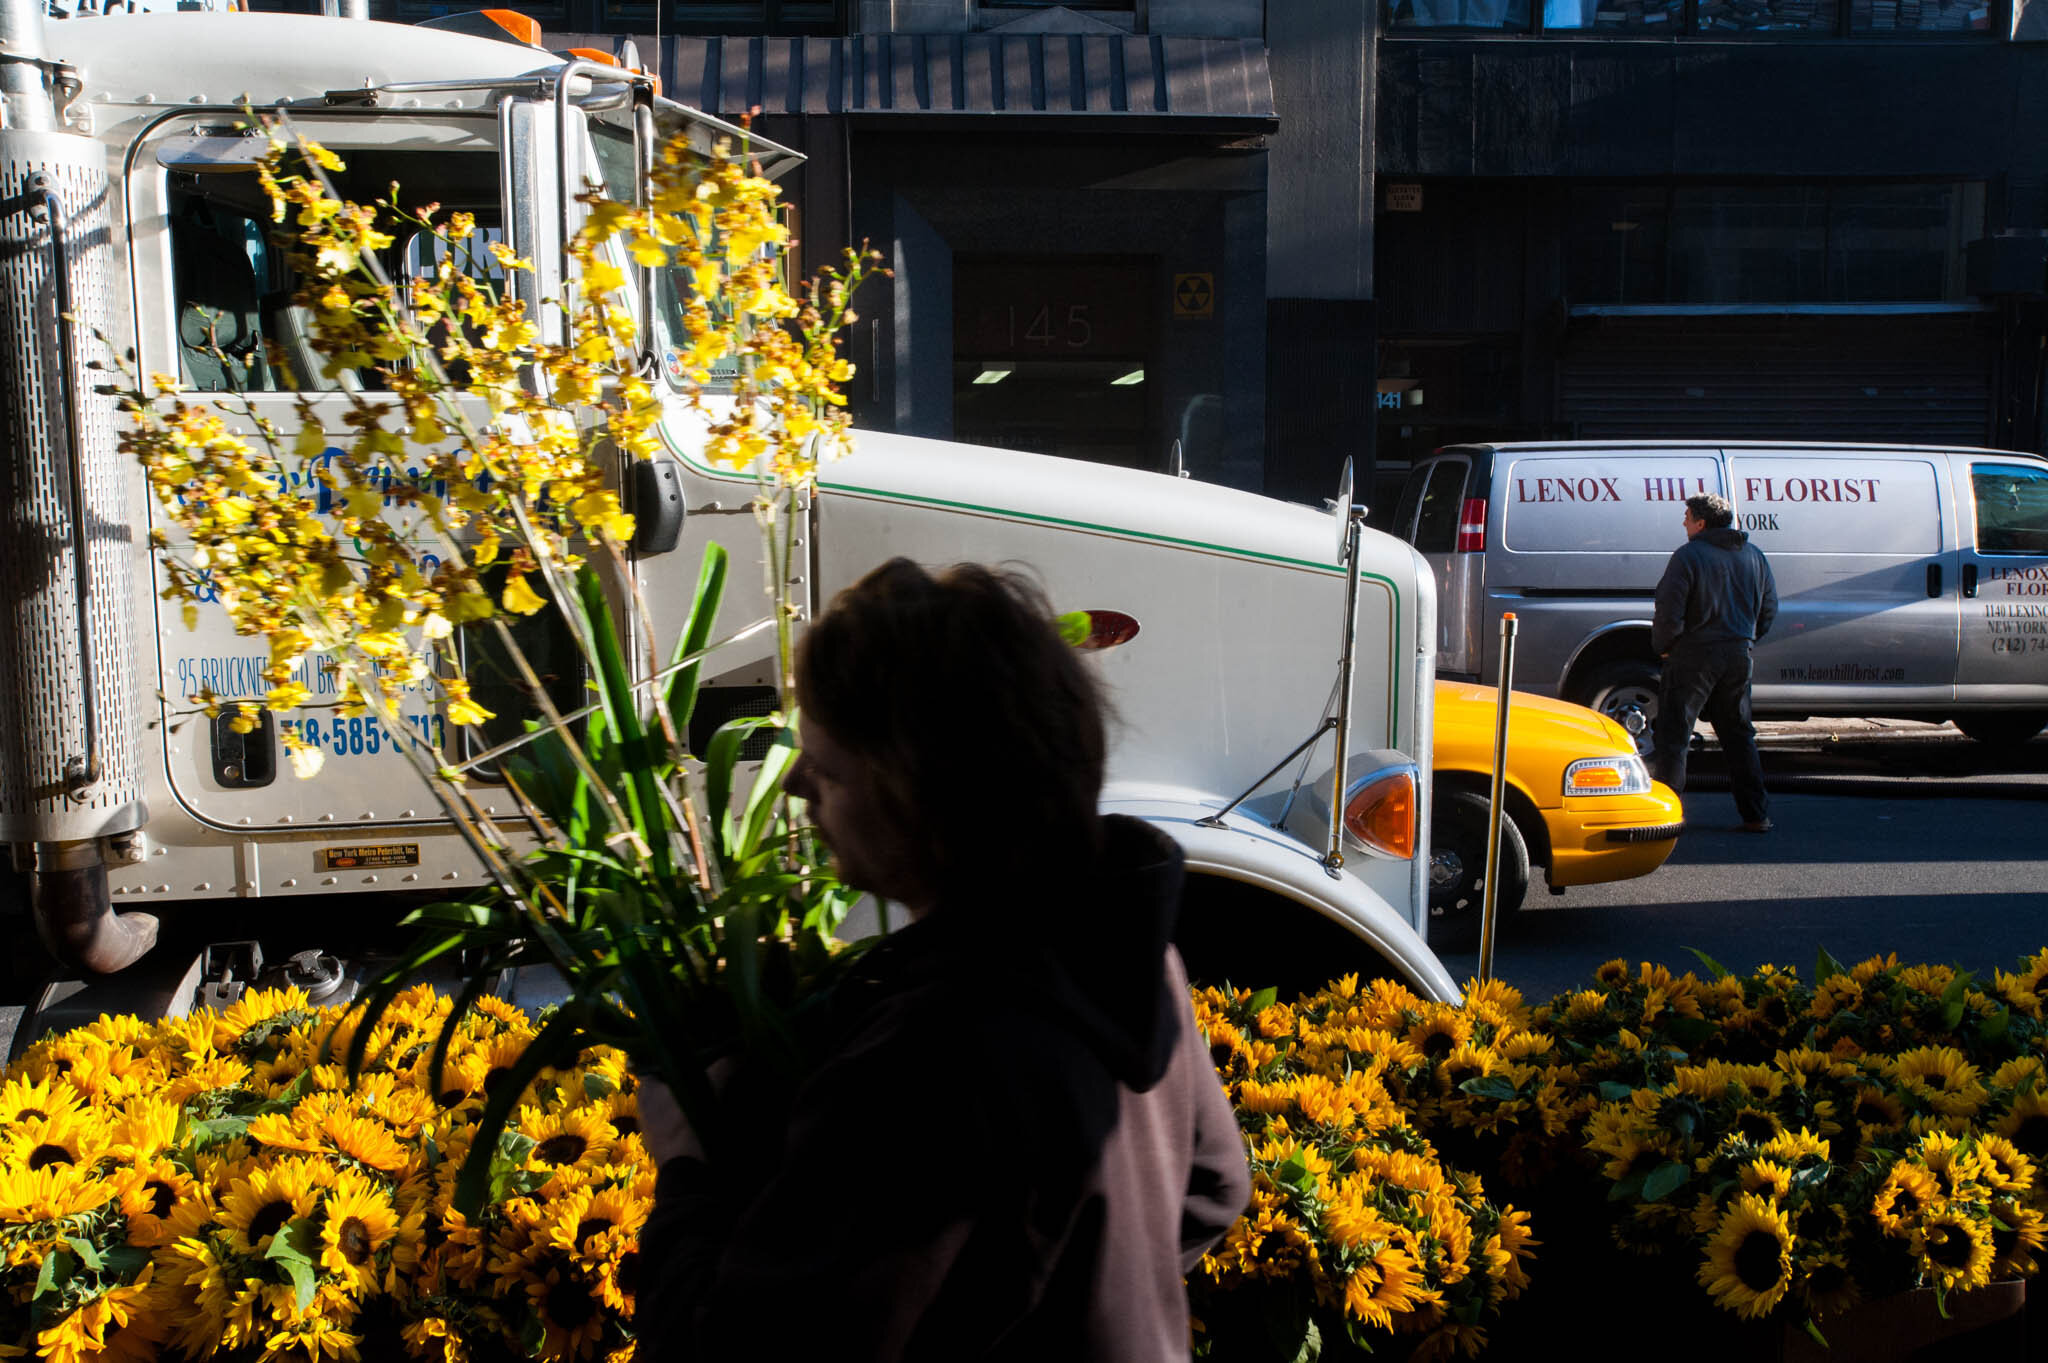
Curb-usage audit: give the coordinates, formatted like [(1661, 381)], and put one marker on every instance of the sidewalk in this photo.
[(1821, 729)]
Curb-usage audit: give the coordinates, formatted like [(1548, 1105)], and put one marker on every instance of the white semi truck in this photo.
[(129, 207)]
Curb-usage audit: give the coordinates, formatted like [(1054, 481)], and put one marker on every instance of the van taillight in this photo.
[(1472, 526)]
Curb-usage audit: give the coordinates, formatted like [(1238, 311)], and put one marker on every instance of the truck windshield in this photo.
[(671, 286)]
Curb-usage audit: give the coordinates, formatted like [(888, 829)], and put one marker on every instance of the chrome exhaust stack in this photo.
[(70, 758)]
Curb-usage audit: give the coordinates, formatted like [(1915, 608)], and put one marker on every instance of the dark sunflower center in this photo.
[(1821, 1222), (43, 1156), (592, 1225), (1759, 1261), (162, 1197), (2032, 1135), (566, 1148), (1437, 1045), (31, 1114), (354, 1241), (1774, 1012), (569, 1306), (1827, 1279), (625, 1123), (1872, 1112), (1949, 1246), (1907, 1202), (629, 1271), (2004, 1242), (1221, 1054), (268, 1218), (1755, 1127)]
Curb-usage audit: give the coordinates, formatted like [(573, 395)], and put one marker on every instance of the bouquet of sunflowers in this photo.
[(205, 1185), (1810, 1146), (1356, 1231)]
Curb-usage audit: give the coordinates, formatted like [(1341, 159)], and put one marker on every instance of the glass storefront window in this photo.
[(1612, 16), (1778, 18), (1736, 244), (1919, 16), (1510, 16), (1742, 244)]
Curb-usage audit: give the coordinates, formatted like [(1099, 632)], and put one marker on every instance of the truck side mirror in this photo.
[(654, 494)]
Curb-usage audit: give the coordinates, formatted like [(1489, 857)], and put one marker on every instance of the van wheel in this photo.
[(1457, 869), (1626, 692), (2002, 728)]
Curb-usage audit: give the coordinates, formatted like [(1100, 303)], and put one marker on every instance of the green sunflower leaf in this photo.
[(1818, 1337), (1613, 1092), (1994, 1027), (56, 1271), (1491, 1086), (87, 1255), (597, 1085), (1664, 1180), (1264, 999), (1825, 967), (1690, 1031), (1720, 972)]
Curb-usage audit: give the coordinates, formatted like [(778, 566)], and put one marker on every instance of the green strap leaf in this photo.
[(682, 688), (1825, 968), (558, 1041), (1074, 627)]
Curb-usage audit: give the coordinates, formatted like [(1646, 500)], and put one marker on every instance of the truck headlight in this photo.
[(1607, 776)]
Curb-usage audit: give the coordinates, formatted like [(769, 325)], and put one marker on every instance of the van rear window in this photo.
[(1617, 504)]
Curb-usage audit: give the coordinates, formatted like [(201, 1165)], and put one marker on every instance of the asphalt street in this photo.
[(1889, 838)]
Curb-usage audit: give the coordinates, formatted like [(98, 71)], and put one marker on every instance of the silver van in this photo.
[(1912, 581)]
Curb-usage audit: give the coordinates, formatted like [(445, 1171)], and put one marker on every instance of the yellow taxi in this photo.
[(1579, 802)]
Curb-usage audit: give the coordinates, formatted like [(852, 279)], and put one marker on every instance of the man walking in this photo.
[(1715, 600)]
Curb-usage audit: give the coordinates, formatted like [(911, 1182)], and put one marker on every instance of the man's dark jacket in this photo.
[(1016, 1151), (1716, 589)]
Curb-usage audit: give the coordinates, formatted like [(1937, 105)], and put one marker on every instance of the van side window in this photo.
[(1436, 525), (2012, 509)]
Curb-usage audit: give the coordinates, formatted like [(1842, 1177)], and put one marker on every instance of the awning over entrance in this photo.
[(1192, 83)]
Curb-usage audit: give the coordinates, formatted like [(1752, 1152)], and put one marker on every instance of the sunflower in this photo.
[(1940, 1078), (1387, 1283), (1956, 1250), (259, 1012), (259, 1206), (49, 1192), (1755, 1124), (1748, 1264), (1767, 1176), (363, 1141), (567, 1307), (1439, 1031), (573, 1137), (360, 1222), (146, 1127), (214, 1074), (149, 1191), (2017, 1235), (25, 1100), (1876, 1113), (82, 1333), (2026, 1124), (1826, 1286), (1908, 1194), (78, 1137)]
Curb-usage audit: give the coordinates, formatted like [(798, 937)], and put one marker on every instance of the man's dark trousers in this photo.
[(1710, 679)]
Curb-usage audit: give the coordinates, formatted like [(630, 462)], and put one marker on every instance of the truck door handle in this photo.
[(1969, 579), (1934, 579)]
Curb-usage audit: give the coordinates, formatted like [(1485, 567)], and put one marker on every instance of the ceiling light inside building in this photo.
[(1135, 376), (994, 373)]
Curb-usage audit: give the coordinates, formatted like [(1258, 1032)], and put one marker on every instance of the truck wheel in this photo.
[(1457, 869), (1626, 692), (2002, 728)]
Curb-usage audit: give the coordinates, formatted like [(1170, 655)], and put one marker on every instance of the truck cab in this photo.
[(1234, 609)]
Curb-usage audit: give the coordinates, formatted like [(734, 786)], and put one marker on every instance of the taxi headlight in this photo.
[(1607, 776)]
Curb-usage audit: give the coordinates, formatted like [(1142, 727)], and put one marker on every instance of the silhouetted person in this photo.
[(1716, 599), (1018, 1145)]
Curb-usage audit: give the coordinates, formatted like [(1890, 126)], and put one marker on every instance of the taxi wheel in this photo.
[(1626, 692), (1457, 868)]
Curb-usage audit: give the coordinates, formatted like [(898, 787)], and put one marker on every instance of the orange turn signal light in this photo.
[(1381, 814), (523, 28), (591, 54)]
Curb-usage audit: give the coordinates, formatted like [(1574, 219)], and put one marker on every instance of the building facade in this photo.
[(1271, 235)]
